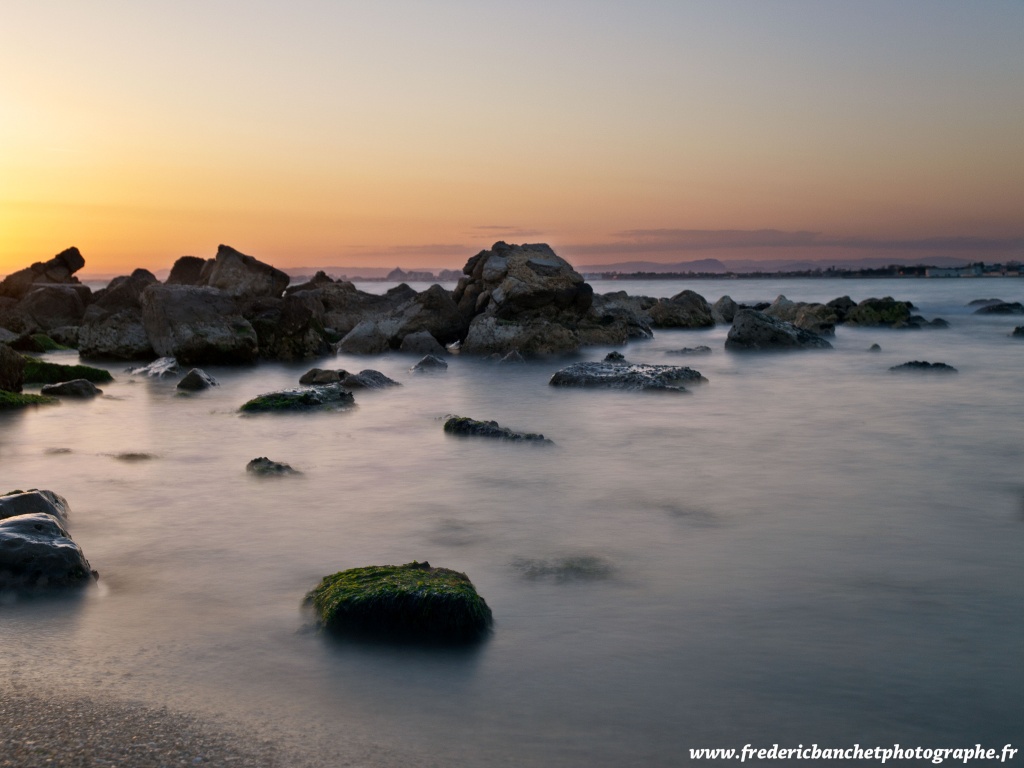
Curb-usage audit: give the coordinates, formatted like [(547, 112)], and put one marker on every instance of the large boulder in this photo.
[(239, 275), (345, 306), (59, 269), (620, 374), (885, 311), (412, 602), (12, 369), (724, 310), (289, 328), (52, 306), (624, 315), (28, 502), (197, 326), (535, 337), (36, 552), (112, 326), (187, 270), (754, 330), (433, 311), (684, 310)]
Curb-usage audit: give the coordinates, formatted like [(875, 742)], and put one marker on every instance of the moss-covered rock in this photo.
[(411, 602), (327, 397), (11, 400), (41, 372)]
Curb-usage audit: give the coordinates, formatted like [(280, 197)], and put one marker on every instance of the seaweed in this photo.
[(11, 400), (41, 372)]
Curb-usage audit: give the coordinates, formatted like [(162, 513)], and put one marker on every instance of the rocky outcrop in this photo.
[(421, 343), (197, 326), (80, 388), (242, 276), (264, 467), (923, 366), (620, 374), (291, 328), (724, 310), (12, 369), (53, 306), (112, 326), (36, 552), (430, 363), (187, 270), (1001, 308), (368, 379), (463, 426), (32, 501), (197, 380), (885, 311), (432, 312), (58, 270), (753, 330), (684, 310), (329, 397)]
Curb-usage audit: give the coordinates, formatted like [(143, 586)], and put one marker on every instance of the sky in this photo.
[(327, 132)]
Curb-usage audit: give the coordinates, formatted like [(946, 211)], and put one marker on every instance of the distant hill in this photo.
[(715, 266)]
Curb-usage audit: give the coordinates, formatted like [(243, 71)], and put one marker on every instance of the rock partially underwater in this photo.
[(923, 366), (264, 467), (616, 374), (36, 552), (753, 331), (463, 426), (410, 603), (328, 397)]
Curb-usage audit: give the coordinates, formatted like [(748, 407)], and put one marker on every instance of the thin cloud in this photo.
[(509, 231)]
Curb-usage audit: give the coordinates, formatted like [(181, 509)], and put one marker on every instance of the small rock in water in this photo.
[(613, 357), (430, 363), (322, 376), (132, 456), (197, 379), (460, 425), (923, 366), (37, 552), (874, 348), (267, 468), (629, 376), (578, 568), (1018, 331), (74, 388), (1001, 308), (322, 398), (699, 350), (368, 379), (164, 366), (512, 357), (29, 502)]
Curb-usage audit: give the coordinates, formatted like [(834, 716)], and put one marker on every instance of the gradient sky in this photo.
[(324, 132)]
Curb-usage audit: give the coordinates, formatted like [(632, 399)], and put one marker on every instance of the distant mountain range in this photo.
[(715, 266)]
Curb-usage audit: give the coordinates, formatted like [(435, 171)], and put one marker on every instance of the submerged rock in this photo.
[(461, 425), (328, 397), (368, 379), (562, 569), (11, 400), (1018, 332), (412, 602), (628, 376), (164, 366), (430, 363), (266, 468), (37, 552), (698, 350), (1001, 308), (753, 330), (197, 380), (74, 388), (32, 501), (884, 311), (923, 366)]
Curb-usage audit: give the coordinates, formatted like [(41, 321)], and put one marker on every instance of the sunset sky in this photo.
[(325, 132)]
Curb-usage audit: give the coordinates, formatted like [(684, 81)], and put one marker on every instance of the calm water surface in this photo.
[(807, 549)]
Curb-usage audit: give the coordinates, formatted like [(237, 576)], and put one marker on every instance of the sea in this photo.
[(808, 549)]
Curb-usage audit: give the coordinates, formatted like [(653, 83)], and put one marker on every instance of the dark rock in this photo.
[(187, 270), (874, 348), (684, 310), (1002, 308), (322, 376), (885, 311), (197, 325), (123, 292), (511, 358), (842, 307), (120, 335), (42, 372), (430, 363), (75, 388), (240, 276), (267, 468), (32, 501), (12, 369), (460, 425), (59, 269), (291, 328), (984, 302), (421, 343), (197, 380), (923, 366), (37, 552), (51, 306), (614, 357), (164, 366), (368, 379), (724, 310), (13, 400), (369, 337), (409, 603), (318, 280), (133, 457), (628, 376), (1018, 332), (698, 350), (327, 397), (753, 330)]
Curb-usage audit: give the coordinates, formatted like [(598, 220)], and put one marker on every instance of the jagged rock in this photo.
[(32, 501), (512, 358), (197, 380), (626, 375), (461, 425), (59, 269), (164, 366), (684, 310), (421, 343), (321, 278), (1001, 308), (346, 306), (724, 310), (51, 306), (187, 270), (922, 366), (75, 388), (197, 325), (322, 376), (430, 363), (783, 309), (614, 357), (754, 330), (267, 468), (290, 328), (433, 311), (369, 337), (119, 335), (532, 338), (631, 313), (37, 552), (12, 369), (240, 276), (124, 292), (368, 379), (842, 306), (327, 397), (885, 311)]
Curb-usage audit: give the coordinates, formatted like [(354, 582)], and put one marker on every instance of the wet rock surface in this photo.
[(464, 426), (923, 366), (80, 388), (36, 552), (628, 376), (264, 467), (319, 398), (753, 331)]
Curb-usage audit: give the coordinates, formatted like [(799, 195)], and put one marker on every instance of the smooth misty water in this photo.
[(806, 549)]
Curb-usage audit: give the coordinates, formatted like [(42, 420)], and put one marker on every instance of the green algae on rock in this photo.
[(41, 372), (11, 400), (412, 602), (328, 397)]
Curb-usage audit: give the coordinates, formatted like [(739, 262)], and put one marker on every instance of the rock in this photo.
[(164, 366), (12, 369), (630, 313), (578, 568), (684, 310), (724, 310), (12, 400), (368, 379), (874, 348), (412, 602), (430, 363), (240, 276), (536, 337), (460, 425), (197, 380), (922, 366), (983, 302), (318, 280), (628, 376), (816, 318), (369, 337), (322, 376), (328, 397), (754, 330), (698, 350), (7, 337), (886, 311), (267, 468), (1018, 332), (120, 335), (36, 552), (290, 328), (75, 388), (41, 372), (783, 309), (66, 336), (59, 269), (433, 311), (345, 306), (52, 306), (614, 357), (123, 292), (512, 358), (421, 343), (842, 307), (34, 343), (1001, 308), (197, 325), (32, 501), (187, 270)]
